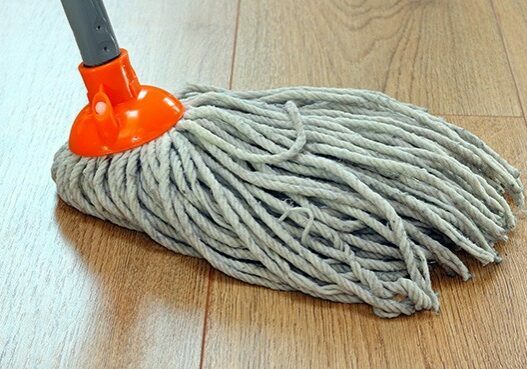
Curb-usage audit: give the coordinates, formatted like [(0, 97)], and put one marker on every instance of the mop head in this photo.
[(342, 194)]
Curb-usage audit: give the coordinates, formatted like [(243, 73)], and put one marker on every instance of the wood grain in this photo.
[(482, 323), (446, 55), (512, 19), (76, 292)]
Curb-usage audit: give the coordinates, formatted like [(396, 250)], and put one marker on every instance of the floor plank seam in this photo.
[(206, 318), (235, 43), (479, 116), (506, 49)]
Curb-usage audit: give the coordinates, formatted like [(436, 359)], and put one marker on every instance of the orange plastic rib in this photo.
[(122, 113)]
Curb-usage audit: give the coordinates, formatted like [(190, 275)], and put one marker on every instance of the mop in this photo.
[(342, 194)]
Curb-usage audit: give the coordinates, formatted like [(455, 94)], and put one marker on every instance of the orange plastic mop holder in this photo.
[(122, 113)]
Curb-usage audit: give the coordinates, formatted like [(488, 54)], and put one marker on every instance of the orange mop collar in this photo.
[(122, 113)]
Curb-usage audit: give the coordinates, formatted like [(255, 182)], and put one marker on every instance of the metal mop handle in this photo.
[(93, 31)]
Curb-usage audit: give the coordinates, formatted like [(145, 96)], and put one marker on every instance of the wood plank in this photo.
[(512, 19), (482, 322), (76, 292), (447, 55)]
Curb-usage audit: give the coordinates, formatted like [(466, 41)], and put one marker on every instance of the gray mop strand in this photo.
[(342, 194)]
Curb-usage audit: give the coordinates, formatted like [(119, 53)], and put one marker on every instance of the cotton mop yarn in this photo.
[(343, 194)]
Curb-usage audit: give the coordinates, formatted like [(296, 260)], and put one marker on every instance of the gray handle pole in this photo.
[(93, 31)]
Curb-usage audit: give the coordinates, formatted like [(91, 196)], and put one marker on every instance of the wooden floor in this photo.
[(76, 292)]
